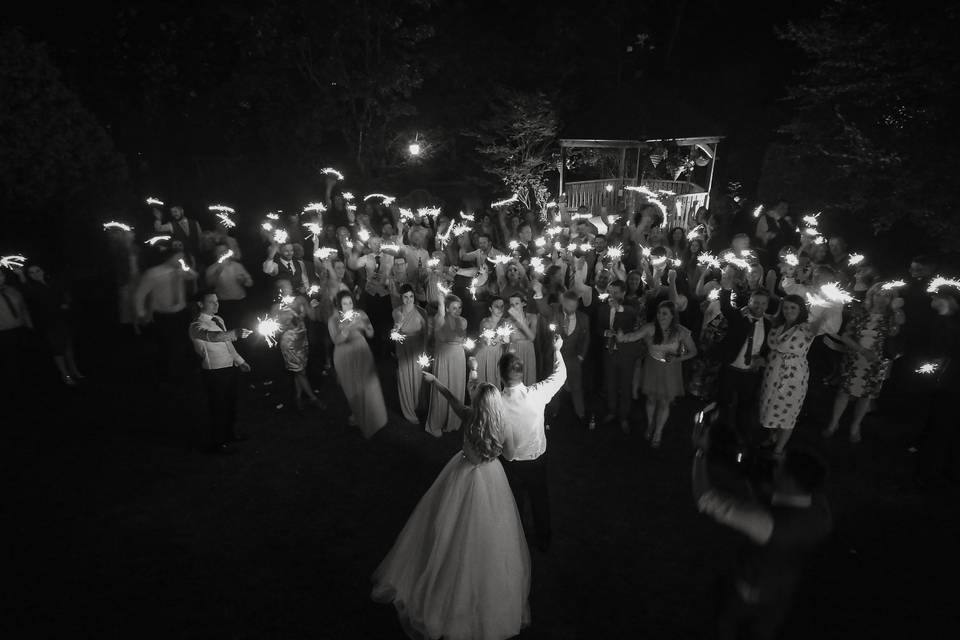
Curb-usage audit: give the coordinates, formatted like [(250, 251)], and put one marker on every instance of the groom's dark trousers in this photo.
[(528, 479)]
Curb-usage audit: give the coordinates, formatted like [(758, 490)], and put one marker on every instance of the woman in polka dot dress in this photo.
[(785, 380)]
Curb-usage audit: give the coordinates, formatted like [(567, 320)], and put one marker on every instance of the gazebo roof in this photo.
[(633, 144)]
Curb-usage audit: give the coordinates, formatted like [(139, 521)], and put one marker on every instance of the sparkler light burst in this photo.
[(896, 284), (810, 231), (659, 261), (314, 207), (268, 328), (387, 200), (280, 236), (730, 258), (758, 211), (819, 240), (183, 265), (940, 281), (537, 264), (791, 259), (554, 231), (928, 368), (714, 294), (406, 214), (397, 337), (677, 262), (330, 171), (443, 289), (155, 239), (469, 344), (423, 361), (287, 300), (854, 259), (314, 228), (313, 290), (225, 257), (433, 262), (513, 245), (552, 326), (225, 220), (273, 216), (347, 196), (488, 334), (833, 292), (13, 262), (220, 208), (603, 296), (266, 226), (540, 242), (430, 212), (389, 247), (154, 202), (505, 330), (500, 259), (113, 224), (348, 316), (351, 208), (645, 251), (811, 220), (505, 202), (615, 252), (708, 260), (459, 229), (695, 233), (363, 235), (469, 217)]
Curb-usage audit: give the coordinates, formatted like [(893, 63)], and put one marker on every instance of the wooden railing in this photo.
[(609, 196)]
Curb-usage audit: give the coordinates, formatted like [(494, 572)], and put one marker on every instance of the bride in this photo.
[(460, 568)]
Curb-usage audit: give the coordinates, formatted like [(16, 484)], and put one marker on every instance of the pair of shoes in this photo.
[(592, 425)]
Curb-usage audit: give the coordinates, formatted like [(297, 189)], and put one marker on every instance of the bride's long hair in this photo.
[(484, 429)]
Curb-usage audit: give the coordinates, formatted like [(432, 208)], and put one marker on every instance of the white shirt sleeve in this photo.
[(545, 390)]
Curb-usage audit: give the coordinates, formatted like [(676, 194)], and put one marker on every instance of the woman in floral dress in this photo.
[(865, 366), (785, 380)]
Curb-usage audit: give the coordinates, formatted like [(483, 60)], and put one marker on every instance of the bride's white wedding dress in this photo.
[(460, 569)]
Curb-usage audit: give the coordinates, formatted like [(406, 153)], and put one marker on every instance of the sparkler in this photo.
[(695, 233), (459, 229), (154, 202), (113, 224), (608, 187), (280, 236), (13, 262), (659, 261), (287, 300), (928, 368), (266, 226), (940, 281), (183, 265), (430, 212), (586, 246), (580, 216), (554, 231), (488, 334), (708, 260), (552, 326), (642, 190), (220, 208), (467, 216), (645, 251), (854, 259), (811, 232), (387, 200), (473, 286), (550, 204), (330, 171), (537, 264), (811, 220), (314, 207), (615, 252), (469, 344), (273, 216), (397, 337), (819, 240), (225, 220), (500, 259), (348, 316), (896, 284), (225, 257), (603, 296), (389, 247), (791, 259), (406, 214), (363, 235), (155, 239), (314, 228), (714, 294), (677, 262), (433, 262), (513, 245), (313, 290), (443, 289), (423, 360), (758, 211), (503, 203), (347, 196), (540, 242), (352, 208), (830, 294), (268, 328), (731, 258), (348, 244), (504, 331)]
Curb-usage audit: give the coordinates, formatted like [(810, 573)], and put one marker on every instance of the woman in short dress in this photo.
[(865, 366), (450, 367), (292, 312), (409, 321), (785, 379), (349, 329)]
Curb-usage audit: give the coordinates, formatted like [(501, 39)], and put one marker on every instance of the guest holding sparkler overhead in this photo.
[(229, 279), (409, 332), (219, 362), (491, 343), (563, 319), (785, 380), (449, 332), (349, 329), (165, 287), (181, 229), (293, 313), (50, 307), (126, 261), (281, 262)]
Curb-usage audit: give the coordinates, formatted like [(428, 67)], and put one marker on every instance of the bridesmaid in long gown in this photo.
[(521, 340), (349, 329), (491, 345), (460, 568), (449, 332), (409, 321)]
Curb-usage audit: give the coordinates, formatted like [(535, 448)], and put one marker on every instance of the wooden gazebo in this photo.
[(608, 195)]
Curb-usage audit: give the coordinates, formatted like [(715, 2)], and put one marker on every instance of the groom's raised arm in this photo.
[(544, 391)]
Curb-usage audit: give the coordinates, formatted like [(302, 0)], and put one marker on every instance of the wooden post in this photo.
[(713, 164), (563, 163)]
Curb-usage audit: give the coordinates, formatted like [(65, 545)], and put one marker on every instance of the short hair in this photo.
[(510, 365), (340, 297), (740, 236), (620, 284), (405, 289), (760, 292), (449, 299), (570, 294), (925, 260), (202, 294), (483, 234), (806, 468), (519, 296)]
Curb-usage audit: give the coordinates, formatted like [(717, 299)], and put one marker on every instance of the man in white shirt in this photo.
[(524, 438), (229, 279), (165, 286), (219, 362)]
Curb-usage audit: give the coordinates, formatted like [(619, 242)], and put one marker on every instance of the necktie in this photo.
[(6, 298), (566, 324), (748, 353), (219, 322)]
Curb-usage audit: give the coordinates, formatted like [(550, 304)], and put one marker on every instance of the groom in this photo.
[(525, 441)]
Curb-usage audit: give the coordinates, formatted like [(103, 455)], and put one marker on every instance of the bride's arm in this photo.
[(455, 403)]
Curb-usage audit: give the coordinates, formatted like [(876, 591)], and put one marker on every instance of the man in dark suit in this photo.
[(618, 359), (281, 263), (743, 353), (181, 229), (563, 319)]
